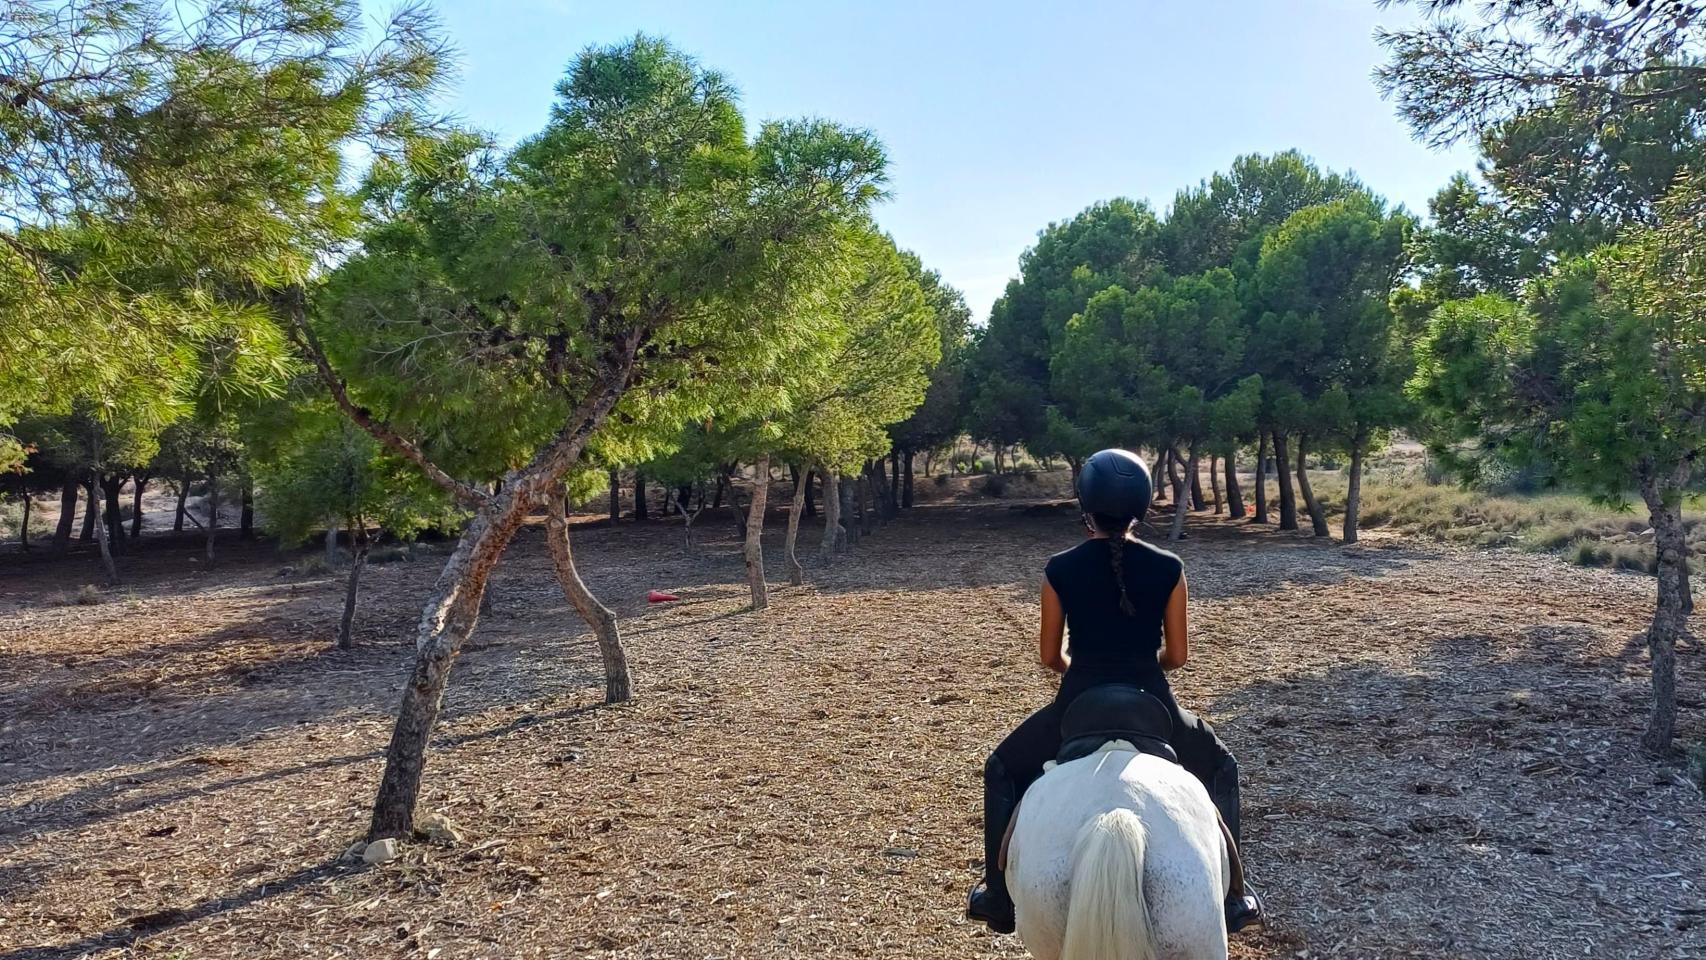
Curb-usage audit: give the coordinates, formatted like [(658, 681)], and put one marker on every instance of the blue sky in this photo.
[(999, 116)]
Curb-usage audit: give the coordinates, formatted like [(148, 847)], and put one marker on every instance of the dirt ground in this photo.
[(1439, 750)]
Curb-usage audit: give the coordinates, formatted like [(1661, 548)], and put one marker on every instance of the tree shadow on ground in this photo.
[(159, 921), (130, 792), (243, 681), (1495, 780)]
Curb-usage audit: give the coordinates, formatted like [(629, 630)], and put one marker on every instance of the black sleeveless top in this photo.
[(1106, 645)]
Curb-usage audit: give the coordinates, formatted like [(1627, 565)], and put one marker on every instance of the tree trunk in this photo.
[(24, 529), (860, 488), (906, 481), (358, 563), (1317, 516), (90, 513), (110, 486), (1282, 473), (1670, 621), (1175, 479), (102, 531), (1234, 493), (689, 513), (1214, 480), (894, 484), (183, 496), (453, 610), (850, 527), (600, 619), (1181, 498), (640, 511), (875, 487), (67, 515), (446, 622), (616, 496), (1198, 501), (331, 543), (1261, 479), (755, 534), (796, 573), (929, 460), (831, 514), (1353, 491), (717, 501), (811, 505), (737, 511), (212, 514), (140, 482), (246, 520)]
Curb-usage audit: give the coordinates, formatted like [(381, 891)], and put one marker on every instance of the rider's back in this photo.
[(1108, 646)]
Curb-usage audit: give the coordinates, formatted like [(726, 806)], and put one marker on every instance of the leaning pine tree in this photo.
[(875, 375), (629, 257), (1601, 374)]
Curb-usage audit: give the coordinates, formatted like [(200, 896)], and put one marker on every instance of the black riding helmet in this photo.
[(1114, 483)]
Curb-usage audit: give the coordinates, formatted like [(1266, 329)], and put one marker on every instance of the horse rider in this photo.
[(1124, 602)]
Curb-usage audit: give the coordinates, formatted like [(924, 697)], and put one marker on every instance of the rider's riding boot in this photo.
[(989, 900), (1243, 907)]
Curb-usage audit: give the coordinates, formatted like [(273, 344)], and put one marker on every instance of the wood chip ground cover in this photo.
[(1439, 749)]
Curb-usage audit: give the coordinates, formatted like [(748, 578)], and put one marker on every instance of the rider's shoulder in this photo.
[(1166, 557), (1072, 558), (1079, 549)]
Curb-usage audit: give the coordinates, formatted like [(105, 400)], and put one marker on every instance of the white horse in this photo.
[(1119, 856)]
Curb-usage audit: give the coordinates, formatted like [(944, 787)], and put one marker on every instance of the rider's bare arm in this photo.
[(1175, 648), (1050, 644)]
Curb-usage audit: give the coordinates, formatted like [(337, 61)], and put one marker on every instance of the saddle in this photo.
[(1101, 715), (1111, 712)]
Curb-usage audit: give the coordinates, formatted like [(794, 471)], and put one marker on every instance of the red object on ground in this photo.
[(658, 596)]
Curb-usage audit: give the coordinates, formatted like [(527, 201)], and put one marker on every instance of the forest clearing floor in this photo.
[(1440, 751)]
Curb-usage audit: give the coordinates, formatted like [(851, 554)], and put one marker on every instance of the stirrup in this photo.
[(1245, 912), (992, 907)]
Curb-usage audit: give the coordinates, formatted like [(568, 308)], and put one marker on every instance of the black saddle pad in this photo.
[(1116, 712)]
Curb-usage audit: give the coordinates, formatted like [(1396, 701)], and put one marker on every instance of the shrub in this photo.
[(1586, 553), (389, 554), (994, 485), (1503, 477), (941, 479), (311, 565), (86, 596), (1632, 556), (1433, 471)]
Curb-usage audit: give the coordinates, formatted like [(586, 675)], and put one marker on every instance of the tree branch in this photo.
[(293, 302), (555, 458)]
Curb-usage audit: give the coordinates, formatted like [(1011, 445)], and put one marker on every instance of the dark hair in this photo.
[(1116, 529)]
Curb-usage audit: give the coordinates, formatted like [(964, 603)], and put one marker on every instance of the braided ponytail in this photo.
[(1116, 528)]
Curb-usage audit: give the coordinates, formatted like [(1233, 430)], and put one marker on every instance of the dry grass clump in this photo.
[(1584, 532), (87, 595)]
